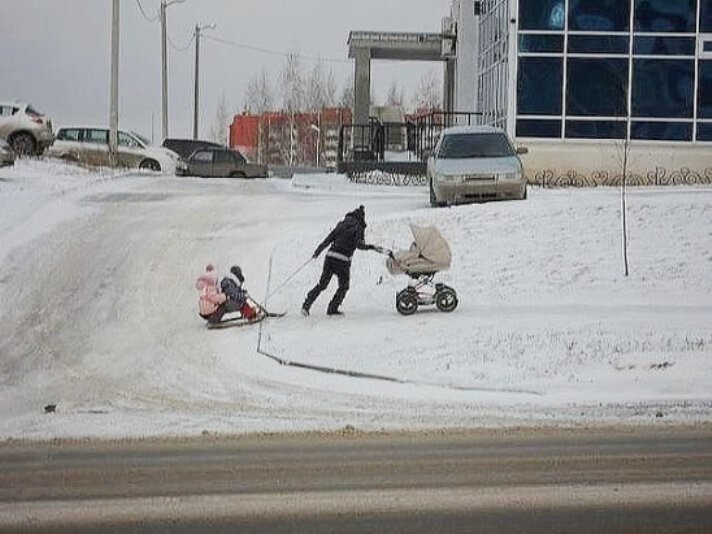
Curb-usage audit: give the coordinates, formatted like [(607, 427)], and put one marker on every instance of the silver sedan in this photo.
[(475, 164)]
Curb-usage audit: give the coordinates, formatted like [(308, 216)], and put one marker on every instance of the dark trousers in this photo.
[(332, 267)]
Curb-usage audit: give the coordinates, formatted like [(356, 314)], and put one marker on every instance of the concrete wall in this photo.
[(567, 163)]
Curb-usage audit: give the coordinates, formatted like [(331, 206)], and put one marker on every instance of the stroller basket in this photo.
[(428, 254)]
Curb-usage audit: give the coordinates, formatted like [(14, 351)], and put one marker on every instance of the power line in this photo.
[(274, 52), (181, 48), (143, 12)]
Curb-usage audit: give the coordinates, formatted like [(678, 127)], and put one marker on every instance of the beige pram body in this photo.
[(429, 254)]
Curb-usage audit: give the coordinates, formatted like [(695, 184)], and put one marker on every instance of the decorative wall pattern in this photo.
[(657, 176), (389, 178)]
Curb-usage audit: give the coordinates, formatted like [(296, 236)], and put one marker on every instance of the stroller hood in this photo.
[(429, 253)]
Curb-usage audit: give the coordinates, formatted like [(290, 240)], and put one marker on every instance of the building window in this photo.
[(537, 43), (704, 93), (663, 88), (665, 15), (706, 16), (664, 46), (599, 15), (661, 131), (599, 44), (704, 131), (541, 14), (539, 87), (597, 87), (538, 128), (596, 129)]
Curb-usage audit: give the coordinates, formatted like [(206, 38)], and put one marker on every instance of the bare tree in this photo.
[(293, 97), (259, 96), (346, 100), (292, 78), (316, 90), (219, 131), (395, 95), (427, 94)]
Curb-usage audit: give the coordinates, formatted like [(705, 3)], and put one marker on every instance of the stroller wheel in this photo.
[(446, 300), (406, 302)]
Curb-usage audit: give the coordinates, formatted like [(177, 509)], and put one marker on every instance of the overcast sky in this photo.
[(56, 53)]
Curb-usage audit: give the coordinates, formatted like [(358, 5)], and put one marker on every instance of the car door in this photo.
[(225, 164), (201, 163), (95, 147), (68, 144), (130, 151)]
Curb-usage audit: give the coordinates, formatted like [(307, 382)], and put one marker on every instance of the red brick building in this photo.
[(279, 138)]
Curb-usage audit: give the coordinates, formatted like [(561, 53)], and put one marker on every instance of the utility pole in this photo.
[(196, 103), (114, 109), (164, 63)]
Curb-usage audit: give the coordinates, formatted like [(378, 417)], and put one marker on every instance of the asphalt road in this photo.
[(604, 480)]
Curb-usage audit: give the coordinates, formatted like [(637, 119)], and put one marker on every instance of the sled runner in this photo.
[(428, 255), (241, 321)]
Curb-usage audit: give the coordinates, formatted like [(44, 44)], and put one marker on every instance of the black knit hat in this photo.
[(237, 273), (359, 212)]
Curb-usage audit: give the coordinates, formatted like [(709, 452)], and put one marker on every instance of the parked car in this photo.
[(7, 156), (25, 129), (185, 147), (223, 163), (475, 164), (91, 146)]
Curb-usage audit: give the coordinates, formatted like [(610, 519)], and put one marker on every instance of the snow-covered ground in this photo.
[(99, 310)]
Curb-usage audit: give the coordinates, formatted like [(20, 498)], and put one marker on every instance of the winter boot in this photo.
[(305, 311), (248, 312), (334, 312)]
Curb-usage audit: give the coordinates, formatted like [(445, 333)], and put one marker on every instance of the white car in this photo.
[(475, 164), (7, 156), (25, 129), (90, 146)]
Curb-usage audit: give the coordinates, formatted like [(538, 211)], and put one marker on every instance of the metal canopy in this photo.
[(400, 46)]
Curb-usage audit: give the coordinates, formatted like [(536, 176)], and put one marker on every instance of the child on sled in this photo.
[(229, 297)]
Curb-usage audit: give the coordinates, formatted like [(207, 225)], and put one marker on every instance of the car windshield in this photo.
[(141, 138), (32, 111), (475, 145)]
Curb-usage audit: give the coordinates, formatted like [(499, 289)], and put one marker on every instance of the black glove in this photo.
[(316, 254)]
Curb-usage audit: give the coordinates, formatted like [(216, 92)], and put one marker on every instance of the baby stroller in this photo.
[(428, 255)]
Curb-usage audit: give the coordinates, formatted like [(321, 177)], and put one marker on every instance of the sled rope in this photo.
[(289, 279)]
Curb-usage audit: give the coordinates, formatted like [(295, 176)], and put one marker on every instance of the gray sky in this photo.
[(56, 52)]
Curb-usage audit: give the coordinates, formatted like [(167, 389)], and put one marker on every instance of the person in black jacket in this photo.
[(344, 240)]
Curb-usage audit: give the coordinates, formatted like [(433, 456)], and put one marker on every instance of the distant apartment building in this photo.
[(284, 139)]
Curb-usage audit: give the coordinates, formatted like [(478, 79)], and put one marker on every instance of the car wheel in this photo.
[(238, 174), (150, 165), (524, 195), (406, 302), (433, 199), (446, 300), (24, 144)]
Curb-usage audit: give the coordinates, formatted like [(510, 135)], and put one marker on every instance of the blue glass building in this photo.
[(558, 72)]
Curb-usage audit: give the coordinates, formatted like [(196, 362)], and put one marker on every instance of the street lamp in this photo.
[(164, 64), (318, 138), (198, 29)]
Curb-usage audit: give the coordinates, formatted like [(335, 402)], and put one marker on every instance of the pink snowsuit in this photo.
[(210, 296)]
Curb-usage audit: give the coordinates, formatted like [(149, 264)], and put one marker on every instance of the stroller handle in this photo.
[(382, 250)]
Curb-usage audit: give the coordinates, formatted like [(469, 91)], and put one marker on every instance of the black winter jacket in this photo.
[(346, 237)]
